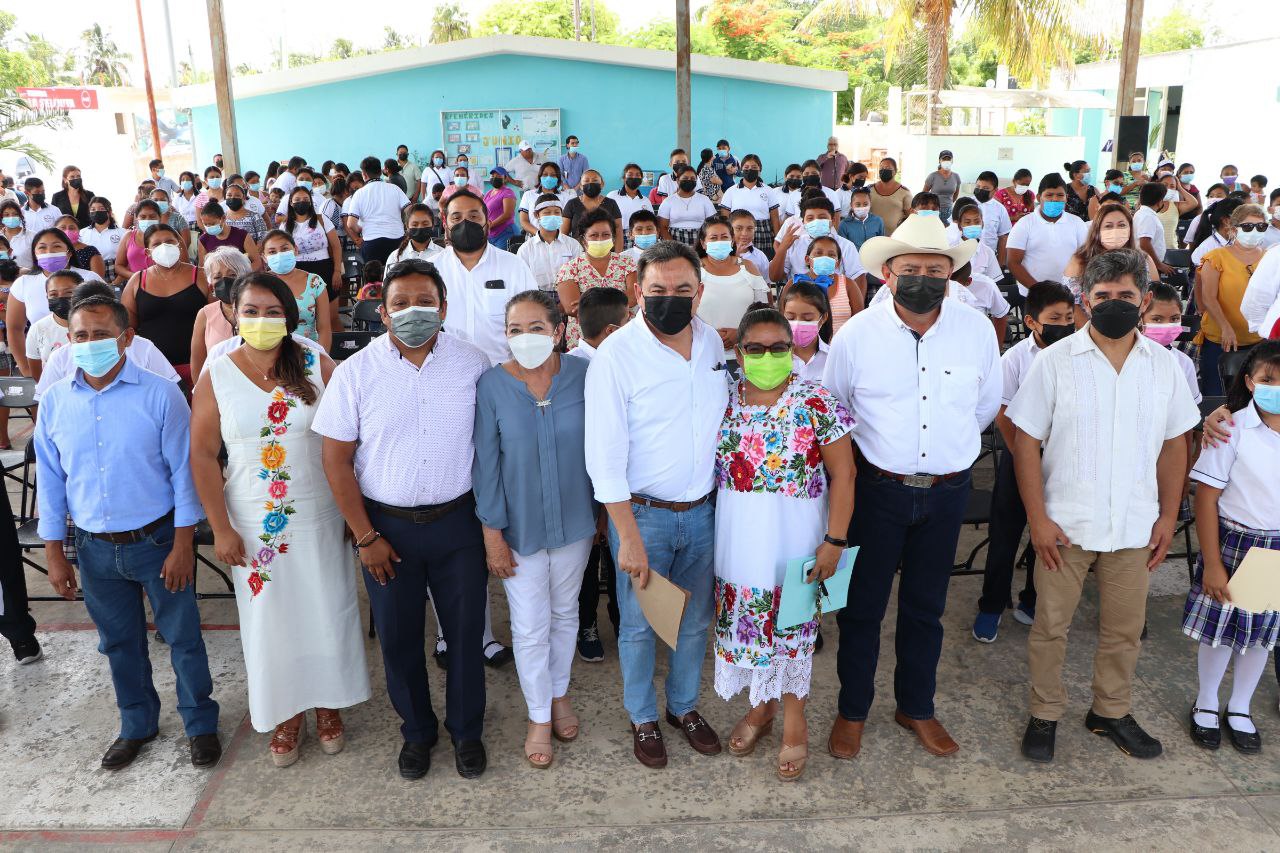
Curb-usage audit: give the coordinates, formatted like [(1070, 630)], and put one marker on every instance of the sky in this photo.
[(310, 26)]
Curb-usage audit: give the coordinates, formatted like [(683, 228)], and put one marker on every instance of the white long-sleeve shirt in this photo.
[(653, 418), (1263, 290), (477, 298), (919, 404)]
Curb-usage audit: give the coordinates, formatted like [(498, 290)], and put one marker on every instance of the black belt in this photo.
[(915, 481), (421, 514), (126, 537), (674, 506)]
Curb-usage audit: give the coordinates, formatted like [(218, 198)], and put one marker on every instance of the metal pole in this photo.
[(683, 48), (173, 59), (1128, 83), (222, 88), (593, 20), (146, 77), (577, 20)]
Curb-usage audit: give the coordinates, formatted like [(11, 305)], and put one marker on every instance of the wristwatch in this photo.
[(839, 543)]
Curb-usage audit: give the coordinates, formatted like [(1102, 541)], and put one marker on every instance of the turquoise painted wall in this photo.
[(620, 113)]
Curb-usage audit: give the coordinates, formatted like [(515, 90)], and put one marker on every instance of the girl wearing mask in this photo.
[(861, 224), (185, 202), (548, 182), (73, 199), (1137, 173), (1111, 229), (598, 266), (50, 331), (316, 240), (680, 216), (86, 257), (219, 235), (1221, 282), (1112, 187), (1017, 198), (629, 199), (890, 200), (945, 184), (592, 198), (709, 183), (239, 215), (280, 254), (667, 183), (730, 285), (164, 298), (416, 245), (788, 195), (13, 229), (807, 310), (216, 321), (132, 255), (435, 172), (461, 180), (473, 180), (1082, 198), (500, 202), (212, 188), (1216, 231), (104, 235), (754, 196), (273, 172), (169, 215)]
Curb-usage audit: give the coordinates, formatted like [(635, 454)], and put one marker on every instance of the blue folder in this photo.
[(801, 600)]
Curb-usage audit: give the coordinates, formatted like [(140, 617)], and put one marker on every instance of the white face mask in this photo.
[(1249, 239), (166, 254), (1171, 195), (1275, 213), (530, 349), (861, 212)]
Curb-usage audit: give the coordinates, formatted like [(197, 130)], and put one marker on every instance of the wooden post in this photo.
[(577, 20), (222, 88), (1126, 89), (146, 78), (683, 49)]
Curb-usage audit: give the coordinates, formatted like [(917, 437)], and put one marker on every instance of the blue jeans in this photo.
[(680, 547), (917, 529), (113, 578)]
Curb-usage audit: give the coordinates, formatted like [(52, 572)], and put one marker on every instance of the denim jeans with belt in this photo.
[(895, 524), (680, 547), (112, 577)]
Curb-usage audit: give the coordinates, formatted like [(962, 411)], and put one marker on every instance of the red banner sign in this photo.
[(62, 98)]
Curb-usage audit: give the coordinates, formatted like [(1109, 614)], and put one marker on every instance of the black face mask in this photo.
[(60, 306), (633, 183), (1051, 333), (302, 208), (591, 190), (793, 183), (678, 165), (100, 217), (669, 314), (811, 180), (688, 185), (886, 175), (36, 198), (751, 175), (76, 183), (497, 182), (222, 289), (420, 235), (920, 294), (467, 236), (859, 181), (235, 203), (982, 195), (1114, 318)]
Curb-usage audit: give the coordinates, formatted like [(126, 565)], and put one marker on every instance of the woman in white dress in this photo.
[(276, 525), (784, 481), (730, 285)]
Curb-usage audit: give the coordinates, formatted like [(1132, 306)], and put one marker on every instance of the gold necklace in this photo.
[(265, 377)]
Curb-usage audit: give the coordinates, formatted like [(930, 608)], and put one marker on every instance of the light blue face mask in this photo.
[(823, 265), (460, 181), (1267, 398), (12, 221), (719, 249), (644, 241), (1189, 178), (214, 183), (817, 228), (282, 263), (972, 232), (549, 222), (927, 213), (96, 358), (213, 230), (186, 185), (549, 182), (163, 205), (1053, 209), (1115, 188), (4, 256)]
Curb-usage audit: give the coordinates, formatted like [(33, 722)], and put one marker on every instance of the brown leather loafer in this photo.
[(697, 731), (846, 738), (648, 746), (933, 737)]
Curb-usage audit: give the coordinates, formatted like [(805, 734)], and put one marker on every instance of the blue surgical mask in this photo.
[(817, 227), (163, 205), (282, 263), (437, 162), (186, 185), (549, 222), (1086, 178), (253, 188), (147, 224), (1115, 188), (12, 221), (1053, 209), (4, 256), (215, 183), (644, 241), (549, 182), (1189, 178), (719, 249), (213, 230), (971, 232), (823, 265), (460, 181), (927, 213), (96, 358), (1267, 398)]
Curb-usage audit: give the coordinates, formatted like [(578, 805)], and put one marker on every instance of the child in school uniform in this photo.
[(1049, 314), (1237, 509), (743, 223), (1162, 323), (806, 308), (642, 228)]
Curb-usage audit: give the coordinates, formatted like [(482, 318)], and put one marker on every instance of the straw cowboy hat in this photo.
[(917, 235)]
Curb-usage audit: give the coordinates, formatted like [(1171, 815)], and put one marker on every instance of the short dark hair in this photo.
[(1152, 193), (66, 272), (990, 177), (1021, 173), (1051, 181), (642, 215), (830, 237), (371, 166), (1161, 292), (807, 163), (154, 163), (740, 214), (297, 162), (444, 208), (1044, 294), (544, 301), (1114, 266), (92, 288), (665, 251), (817, 202), (593, 217), (119, 314), (599, 308), (32, 182), (212, 208), (413, 266), (1259, 179), (762, 317), (926, 198)]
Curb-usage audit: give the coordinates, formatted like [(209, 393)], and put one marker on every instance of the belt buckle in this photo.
[(420, 516), (919, 481)]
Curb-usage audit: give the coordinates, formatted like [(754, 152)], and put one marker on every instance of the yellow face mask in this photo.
[(262, 333), (599, 248)]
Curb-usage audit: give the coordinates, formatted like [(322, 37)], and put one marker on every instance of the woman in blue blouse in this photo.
[(534, 499)]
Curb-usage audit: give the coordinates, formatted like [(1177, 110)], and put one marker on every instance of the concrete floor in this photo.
[(57, 716)]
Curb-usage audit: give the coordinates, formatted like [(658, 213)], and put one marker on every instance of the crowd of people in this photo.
[(572, 391)]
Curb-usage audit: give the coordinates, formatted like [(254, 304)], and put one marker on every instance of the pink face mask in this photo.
[(1113, 238), (1163, 333), (803, 332)]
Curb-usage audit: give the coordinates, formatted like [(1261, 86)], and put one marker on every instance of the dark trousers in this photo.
[(378, 250), (16, 625), (448, 556), (599, 563), (1008, 520), (897, 525)]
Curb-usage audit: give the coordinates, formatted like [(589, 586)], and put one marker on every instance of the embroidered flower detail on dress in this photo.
[(276, 508)]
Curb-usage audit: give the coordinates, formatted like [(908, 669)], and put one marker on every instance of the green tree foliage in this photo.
[(102, 61), (1177, 30), (547, 18), (449, 23), (342, 49), (17, 119)]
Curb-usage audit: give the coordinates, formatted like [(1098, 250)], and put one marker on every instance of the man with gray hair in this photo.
[(1101, 456)]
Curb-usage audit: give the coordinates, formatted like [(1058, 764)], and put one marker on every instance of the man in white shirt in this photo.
[(288, 179), (1101, 492), (481, 277), (921, 376), (548, 250), (376, 213), (655, 396), (523, 167), (1263, 290), (1148, 230), (1042, 242), (37, 213)]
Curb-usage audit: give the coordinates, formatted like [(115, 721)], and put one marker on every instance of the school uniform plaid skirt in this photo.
[(764, 235), (688, 236), (1214, 624)]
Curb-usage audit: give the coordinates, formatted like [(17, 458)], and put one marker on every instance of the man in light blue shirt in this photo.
[(572, 164), (112, 451)]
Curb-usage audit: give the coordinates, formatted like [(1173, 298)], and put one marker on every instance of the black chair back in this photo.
[(1178, 258), (19, 392), (347, 344), (1229, 365), (365, 317)]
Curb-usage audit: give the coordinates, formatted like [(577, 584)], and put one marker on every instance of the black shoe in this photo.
[(501, 657), (1250, 743), (27, 651), (160, 638), (121, 753), (469, 758), (817, 642), (415, 760), (205, 750), (1204, 736), (1039, 739), (590, 649), (1125, 733)]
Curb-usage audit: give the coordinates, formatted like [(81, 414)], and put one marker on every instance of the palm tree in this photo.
[(17, 118), (449, 23), (103, 59)]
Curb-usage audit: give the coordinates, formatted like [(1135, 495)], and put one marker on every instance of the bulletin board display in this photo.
[(491, 138)]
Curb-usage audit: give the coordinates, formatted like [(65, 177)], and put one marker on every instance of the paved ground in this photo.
[(57, 716)]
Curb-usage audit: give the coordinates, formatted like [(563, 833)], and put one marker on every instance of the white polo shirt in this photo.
[(378, 206), (688, 212), (477, 297), (36, 221), (815, 366), (522, 170), (995, 223), (1146, 223), (1014, 364), (757, 200), (1048, 245), (629, 205), (544, 258), (1247, 469), (1102, 433)]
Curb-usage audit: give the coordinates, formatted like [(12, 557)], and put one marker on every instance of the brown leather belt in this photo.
[(674, 506), (915, 481), (127, 537), (421, 514)]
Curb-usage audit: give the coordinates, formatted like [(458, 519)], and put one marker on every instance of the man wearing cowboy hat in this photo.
[(921, 375)]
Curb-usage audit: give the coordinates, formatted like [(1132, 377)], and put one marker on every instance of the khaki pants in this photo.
[(1122, 592)]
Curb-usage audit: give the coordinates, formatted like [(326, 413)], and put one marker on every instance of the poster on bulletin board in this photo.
[(492, 137)]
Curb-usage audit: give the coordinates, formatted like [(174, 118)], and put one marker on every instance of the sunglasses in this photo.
[(761, 349), (1252, 226)]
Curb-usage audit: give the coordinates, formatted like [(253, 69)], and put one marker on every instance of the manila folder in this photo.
[(663, 605), (1255, 586)]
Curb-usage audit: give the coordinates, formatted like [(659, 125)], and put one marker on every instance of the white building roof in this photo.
[(1175, 68), (438, 54)]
